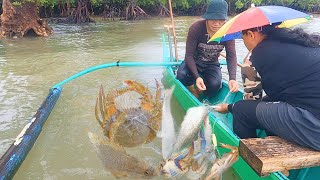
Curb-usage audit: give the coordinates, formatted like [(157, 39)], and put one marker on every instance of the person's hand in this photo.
[(200, 84), (233, 86), (221, 108)]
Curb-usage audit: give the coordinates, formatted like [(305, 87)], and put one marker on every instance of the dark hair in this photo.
[(316, 36), (294, 36)]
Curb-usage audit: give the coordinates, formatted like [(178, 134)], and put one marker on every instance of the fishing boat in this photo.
[(222, 123)]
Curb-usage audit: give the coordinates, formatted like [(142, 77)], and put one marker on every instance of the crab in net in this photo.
[(129, 116)]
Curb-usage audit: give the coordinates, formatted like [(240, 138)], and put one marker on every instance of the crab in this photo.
[(129, 116), (223, 163), (118, 162), (193, 162)]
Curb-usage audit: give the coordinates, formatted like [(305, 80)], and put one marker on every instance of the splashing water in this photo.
[(168, 134)]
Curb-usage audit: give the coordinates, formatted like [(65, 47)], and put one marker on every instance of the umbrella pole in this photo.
[(173, 31)]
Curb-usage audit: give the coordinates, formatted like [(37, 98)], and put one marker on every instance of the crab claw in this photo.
[(225, 162), (100, 107), (134, 85), (178, 165), (158, 91), (187, 161), (233, 149), (170, 170), (198, 168)]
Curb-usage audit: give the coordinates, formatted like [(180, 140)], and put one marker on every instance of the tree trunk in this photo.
[(68, 8), (163, 11), (82, 13), (19, 21), (133, 11)]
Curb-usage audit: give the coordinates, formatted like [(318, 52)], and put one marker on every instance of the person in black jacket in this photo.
[(288, 62)]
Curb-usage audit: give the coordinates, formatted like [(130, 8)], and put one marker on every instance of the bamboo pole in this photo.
[(238, 64), (173, 31)]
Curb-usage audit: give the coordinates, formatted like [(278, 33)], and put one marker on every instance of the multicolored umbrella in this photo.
[(257, 17)]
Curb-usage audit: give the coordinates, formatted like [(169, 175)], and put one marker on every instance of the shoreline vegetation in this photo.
[(21, 18)]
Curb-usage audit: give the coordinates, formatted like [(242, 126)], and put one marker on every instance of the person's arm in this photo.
[(231, 58), (224, 108), (230, 107), (191, 47)]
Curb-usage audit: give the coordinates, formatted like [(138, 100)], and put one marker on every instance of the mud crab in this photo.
[(223, 163), (193, 162), (116, 160), (129, 116)]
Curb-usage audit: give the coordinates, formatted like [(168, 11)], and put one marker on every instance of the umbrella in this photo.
[(257, 17)]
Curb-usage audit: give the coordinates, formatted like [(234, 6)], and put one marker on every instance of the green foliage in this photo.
[(115, 3), (181, 5), (257, 2), (239, 4), (146, 3), (15, 3), (246, 4), (97, 3), (309, 5)]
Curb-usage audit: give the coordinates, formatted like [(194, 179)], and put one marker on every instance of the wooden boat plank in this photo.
[(273, 154)]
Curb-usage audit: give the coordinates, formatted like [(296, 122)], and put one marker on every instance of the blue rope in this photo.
[(120, 64)]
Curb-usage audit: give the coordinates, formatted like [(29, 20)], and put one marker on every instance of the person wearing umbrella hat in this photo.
[(288, 62), (201, 65)]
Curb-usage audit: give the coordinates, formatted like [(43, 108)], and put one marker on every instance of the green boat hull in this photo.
[(222, 125), (222, 132)]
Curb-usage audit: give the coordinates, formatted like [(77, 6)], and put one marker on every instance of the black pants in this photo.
[(276, 118), (245, 121), (210, 72)]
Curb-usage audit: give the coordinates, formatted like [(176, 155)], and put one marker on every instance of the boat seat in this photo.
[(273, 154)]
